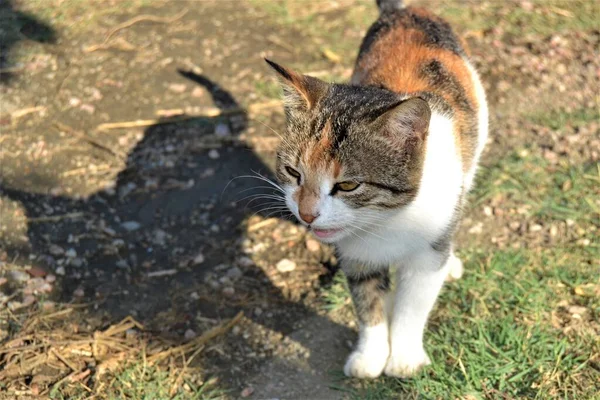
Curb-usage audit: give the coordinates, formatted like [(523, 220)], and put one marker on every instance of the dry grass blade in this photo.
[(133, 21)]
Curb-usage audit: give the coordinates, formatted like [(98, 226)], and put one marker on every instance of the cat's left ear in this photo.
[(407, 122), (300, 91)]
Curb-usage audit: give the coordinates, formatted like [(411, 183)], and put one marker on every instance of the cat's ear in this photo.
[(300, 91), (408, 121)]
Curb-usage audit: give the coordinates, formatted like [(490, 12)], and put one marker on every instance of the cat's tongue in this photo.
[(325, 233)]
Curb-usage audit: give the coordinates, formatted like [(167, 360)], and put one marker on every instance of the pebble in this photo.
[(312, 245), (213, 154), (71, 253), (56, 250), (228, 291), (177, 87), (222, 130), (131, 226), (194, 296), (245, 262), (122, 264), (189, 334), (199, 259), (258, 311), (286, 265), (18, 276), (50, 278), (477, 228), (535, 228), (76, 262), (160, 237), (37, 272), (234, 273), (28, 300), (79, 292), (60, 270), (215, 228), (247, 392)]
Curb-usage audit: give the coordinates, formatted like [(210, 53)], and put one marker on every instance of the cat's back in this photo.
[(411, 51)]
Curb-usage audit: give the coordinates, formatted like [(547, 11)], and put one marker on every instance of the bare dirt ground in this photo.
[(148, 221)]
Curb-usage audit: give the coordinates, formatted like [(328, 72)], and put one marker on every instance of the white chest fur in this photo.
[(419, 224)]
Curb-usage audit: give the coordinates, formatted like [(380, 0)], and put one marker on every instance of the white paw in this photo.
[(407, 363), (365, 365), (455, 268)]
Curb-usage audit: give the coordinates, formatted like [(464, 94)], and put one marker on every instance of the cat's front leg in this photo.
[(368, 289), (418, 283)]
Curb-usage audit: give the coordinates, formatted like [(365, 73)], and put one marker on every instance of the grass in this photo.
[(558, 119), (140, 381)]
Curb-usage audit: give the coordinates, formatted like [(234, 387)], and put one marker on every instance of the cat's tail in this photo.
[(388, 6)]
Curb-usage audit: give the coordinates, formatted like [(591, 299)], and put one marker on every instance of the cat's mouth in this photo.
[(325, 233)]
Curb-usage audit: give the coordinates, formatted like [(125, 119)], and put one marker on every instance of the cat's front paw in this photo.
[(365, 364), (406, 363)]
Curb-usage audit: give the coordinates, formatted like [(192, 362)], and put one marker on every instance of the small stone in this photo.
[(74, 101), (199, 259), (535, 228), (258, 311), (245, 262), (570, 222), (50, 278), (56, 250), (131, 226), (37, 272), (213, 154), (194, 296), (18, 276), (228, 291), (160, 237), (122, 264), (198, 92), (487, 211), (286, 265), (28, 300), (189, 334), (71, 253), (177, 87), (76, 262), (234, 273), (215, 228), (476, 229), (222, 130), (79, 292), (60, 270), (577, 310), (247, 392), (236, 330), (312, 245)]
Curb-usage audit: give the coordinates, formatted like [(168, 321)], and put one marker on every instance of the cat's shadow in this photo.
[(167, 208)]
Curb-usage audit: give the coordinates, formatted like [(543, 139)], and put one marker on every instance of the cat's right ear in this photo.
[(300, 91)]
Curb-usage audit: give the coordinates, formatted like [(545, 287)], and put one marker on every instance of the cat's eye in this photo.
[(346, 186), (293, 173)]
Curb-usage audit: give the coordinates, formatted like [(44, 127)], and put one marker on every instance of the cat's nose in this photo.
[(308, 218)]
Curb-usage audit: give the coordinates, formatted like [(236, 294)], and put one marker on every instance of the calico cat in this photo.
[(380, 168)]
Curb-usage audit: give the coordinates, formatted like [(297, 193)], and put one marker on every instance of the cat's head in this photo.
[(349, 155)]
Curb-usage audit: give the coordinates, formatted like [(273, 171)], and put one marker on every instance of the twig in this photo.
[(67, 129), (261, 224), (24, 111), (134, 21), (164, 272), (208, 113), (64, 360), (56, 218)]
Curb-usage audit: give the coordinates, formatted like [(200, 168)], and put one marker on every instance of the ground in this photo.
[(133, 264)]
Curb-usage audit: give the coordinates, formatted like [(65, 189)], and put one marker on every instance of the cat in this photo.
[(380, 168)]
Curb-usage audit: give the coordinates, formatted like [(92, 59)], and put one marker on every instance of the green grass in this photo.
[(491, 333), (558, 119)]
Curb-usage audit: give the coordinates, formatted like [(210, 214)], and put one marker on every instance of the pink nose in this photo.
[(308, 218)]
